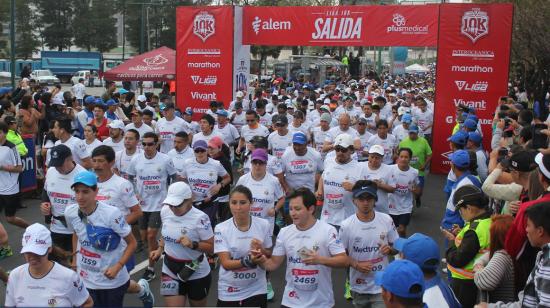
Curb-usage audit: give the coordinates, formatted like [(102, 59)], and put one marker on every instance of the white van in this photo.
[(86, 76)]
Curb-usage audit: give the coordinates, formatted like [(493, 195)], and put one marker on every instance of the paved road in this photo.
[(425, 219)]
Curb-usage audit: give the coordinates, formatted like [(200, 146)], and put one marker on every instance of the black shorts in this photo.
[(196, 289), (109, 297), (63, 241), (10, 204), (402, 219), (150, 220), (259, 300)]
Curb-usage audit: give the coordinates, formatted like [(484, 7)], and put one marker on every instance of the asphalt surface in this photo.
[(425, 219)]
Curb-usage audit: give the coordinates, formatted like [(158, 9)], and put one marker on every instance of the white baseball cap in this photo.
[(376, 149), (116, 124), (36, 239), (142, 98), (177, 193), (58, 100), (343, 140), (239, 94)]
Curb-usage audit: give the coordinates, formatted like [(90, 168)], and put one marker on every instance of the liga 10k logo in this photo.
[(204, 25), (475, 24)]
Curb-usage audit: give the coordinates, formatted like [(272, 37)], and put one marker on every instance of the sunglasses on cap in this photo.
[(341, 149), (148, 144)]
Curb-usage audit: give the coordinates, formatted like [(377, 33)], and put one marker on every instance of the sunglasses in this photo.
[(199, 150), (279, 124), (258, 162), (341, 149), (250, 121), (148, 144)]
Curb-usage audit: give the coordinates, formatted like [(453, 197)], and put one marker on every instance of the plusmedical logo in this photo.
[(478, 86), (399, 25), (204, 25), (206, 81), (475, 24), (337, 26), (471, 69), (270, 24)]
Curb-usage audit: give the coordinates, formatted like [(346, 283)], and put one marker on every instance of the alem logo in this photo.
[(475, 24), (270, 24), (478, 86), (204, 25)]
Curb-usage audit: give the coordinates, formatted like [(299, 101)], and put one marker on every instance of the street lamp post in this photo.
[(12, 43)]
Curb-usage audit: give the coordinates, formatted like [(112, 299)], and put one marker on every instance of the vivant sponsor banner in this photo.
[(204, 56), (472, 69), (341, 25)]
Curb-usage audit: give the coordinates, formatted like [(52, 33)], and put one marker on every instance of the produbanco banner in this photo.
[(204, 52), (472, 69), (391, 25)]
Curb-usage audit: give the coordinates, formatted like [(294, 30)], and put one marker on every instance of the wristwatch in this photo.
[(194, 245)]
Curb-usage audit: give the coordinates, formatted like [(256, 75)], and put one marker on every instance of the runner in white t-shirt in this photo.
[(124, 158), (321, 133), (62, 131), (370, 117), (368, 236), (405, 179), (386, 140), (424, 117), (207, 123), (90, 138), (281, 138), (137, 124), (116, 135), (57, 195), (100, 263), (238, 241), (336, 182), (230, 134), (251, 129), (380, 173), (186, 236), (302, 165), (344, 122), (168, 126), (181, 152), (364, 136), (311, 248), (44, 283)]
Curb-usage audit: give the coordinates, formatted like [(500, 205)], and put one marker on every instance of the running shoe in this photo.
[(347, 290), (147, 298), (5, 252), (270, 292), (148, 275)]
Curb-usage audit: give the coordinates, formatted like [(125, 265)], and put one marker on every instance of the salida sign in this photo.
[(341, 26), (472, 68)]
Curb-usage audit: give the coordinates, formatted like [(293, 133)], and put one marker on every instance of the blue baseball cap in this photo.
[(122, 91), (299, 138), (460, 138), (188, 111), (475, 137), (413, 129), (200, 144), (99, 101), (406, 118), (472, 117), (460, 158), (5, 90), (368, 189), (402, 278), (87, 178), (222, 113), (420, 249), (470, 124), (89, 100)]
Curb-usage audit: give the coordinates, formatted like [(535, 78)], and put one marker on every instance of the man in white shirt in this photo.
[(124, 157), (229, 133), (251, 129), (79, 90), (381, 174), (302, 165), (281, 138), (168, 126), (320, 133), (62, 131), (207, 124), (424, 117), (116, 135), (181, 152), (137, 123), (344, 122), (386, 140)]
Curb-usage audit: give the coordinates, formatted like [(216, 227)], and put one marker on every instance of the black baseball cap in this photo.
[(58, 154), (523, 161)]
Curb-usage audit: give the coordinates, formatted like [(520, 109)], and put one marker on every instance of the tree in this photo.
[(4, 15), (530, 62), (265, 51), (56, 19), (26, 40)]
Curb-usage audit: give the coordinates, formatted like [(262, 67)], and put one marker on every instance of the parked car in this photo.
[(44, 77), (98, 82)]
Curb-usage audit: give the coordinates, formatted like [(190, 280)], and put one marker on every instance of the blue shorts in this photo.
[(131, 263), (421, 181), (286, 207)]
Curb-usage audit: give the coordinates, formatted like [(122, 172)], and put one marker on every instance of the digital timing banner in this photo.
[(472, 69)]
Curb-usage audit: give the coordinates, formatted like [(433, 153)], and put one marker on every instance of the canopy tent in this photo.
[(155, 65), (416, 68)]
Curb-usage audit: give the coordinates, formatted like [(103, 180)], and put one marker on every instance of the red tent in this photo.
[(155, 65)]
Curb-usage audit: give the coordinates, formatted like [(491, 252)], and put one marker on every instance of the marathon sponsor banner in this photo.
[(241, 64), (28, 176), (472, 69), (393, 25), (204, 56)]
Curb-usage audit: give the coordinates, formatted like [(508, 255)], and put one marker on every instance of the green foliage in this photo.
[(26, 40), (56, 20)]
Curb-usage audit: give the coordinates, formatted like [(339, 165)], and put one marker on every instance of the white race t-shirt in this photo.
[(265, 193), (228, 133), (61, 195), (385, 174), (319, 137), (117, 192), (78, 149), (235, 285), (389, 144), (308, 285), (201, 136), (123, 160), (362, 241), (144, 128), (202, 177), (90, 147), (278, 144), (247, 133), (92, 262), (371, 122), (401, 200), (9, 181), (167, 131), (337, 203), (238, 120), (300, 170), (61, 287), (424, 119), (335, 131), (266, 119), (194, 224), (179, 158), (117, 146), (151, 179)]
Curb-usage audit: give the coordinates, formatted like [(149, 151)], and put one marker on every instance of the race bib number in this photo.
[(90, 261), (168, 286), (243, 278), (334, 201), (151, 186), (305, 279), (301, 166), (414, 160)]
